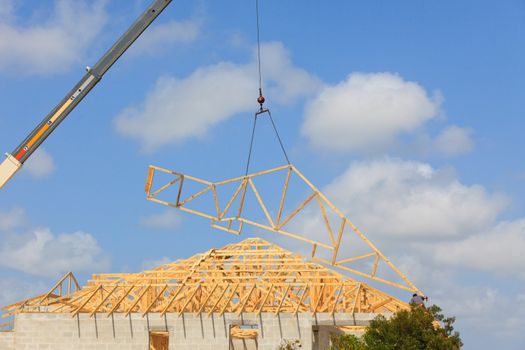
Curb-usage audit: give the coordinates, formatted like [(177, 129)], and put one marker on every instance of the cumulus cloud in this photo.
[(475, 305), (178, 109), (283, 81), (407, 200), (498, 249), (175, 110), (160, 37), (454, 140), (166, 220), (479, 307), (40, 164), (43, 253), (53, 45), (410, 199), (367, 111), (12, 218)]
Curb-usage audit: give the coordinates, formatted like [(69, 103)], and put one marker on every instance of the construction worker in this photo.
[(418, 300)]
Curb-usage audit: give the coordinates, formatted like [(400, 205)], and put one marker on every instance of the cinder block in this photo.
[(189, 331)]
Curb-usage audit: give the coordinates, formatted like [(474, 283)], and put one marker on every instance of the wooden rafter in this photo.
[(250, 276), (277, 224)]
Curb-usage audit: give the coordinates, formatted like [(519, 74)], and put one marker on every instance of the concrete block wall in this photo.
[(7, 340), (40, 331)]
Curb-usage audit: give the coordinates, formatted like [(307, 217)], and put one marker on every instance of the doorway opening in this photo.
[(159, 341)]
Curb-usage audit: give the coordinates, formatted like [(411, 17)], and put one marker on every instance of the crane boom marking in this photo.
[(53, 118), (12, 164)]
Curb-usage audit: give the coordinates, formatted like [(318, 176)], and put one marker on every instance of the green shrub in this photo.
[(290, 344), (415, 329)]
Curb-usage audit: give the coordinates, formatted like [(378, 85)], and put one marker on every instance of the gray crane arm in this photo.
[(14, 161)]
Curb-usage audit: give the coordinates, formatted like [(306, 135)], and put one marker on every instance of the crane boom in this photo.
[(14, 161)]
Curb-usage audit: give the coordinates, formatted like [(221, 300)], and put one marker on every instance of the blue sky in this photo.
[(407, 114)]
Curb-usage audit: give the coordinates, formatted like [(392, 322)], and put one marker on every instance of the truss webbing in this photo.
[(223, 214), (250, 276)]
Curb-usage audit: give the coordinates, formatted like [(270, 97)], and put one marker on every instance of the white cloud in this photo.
[(480, 307), (475, 306), (43, 253), (55, 44), (167, 220), (12, 219), (40, 164), (178, 109), (367, 111), (411, 200), (284, 82), (160, 37), (498, 249), (454, 140), (399, 198)]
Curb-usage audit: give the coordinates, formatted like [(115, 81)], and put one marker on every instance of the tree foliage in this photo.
[(347, 342), (286, 344), (416, 329)]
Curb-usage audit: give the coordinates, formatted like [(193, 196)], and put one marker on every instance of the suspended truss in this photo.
[(224, 213), (251, 276)]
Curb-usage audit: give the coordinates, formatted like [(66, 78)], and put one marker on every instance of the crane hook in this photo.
[(261, 100)]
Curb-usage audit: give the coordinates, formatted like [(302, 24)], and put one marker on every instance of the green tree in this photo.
[(416, 329), (347, 342), (290, 344)]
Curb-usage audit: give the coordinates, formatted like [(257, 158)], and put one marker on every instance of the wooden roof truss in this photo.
[(250, 276), (230, 217)]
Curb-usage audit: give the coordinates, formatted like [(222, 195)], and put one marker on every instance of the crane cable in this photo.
[(261, 100)]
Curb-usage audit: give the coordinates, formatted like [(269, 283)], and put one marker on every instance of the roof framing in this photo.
[(250, 276), (331, 235)]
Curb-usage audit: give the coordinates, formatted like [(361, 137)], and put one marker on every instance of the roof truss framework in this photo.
[(231, 217), (250, 276)]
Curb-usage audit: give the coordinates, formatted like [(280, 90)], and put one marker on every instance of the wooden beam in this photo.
[(283, 196), (354, 258), (340, 290), (189, 299), (325, 218), (137, 300), (103, 300), (86, 301), (155, 300), (282, 299), (355, 299), (177, 292), (261, 203), (377, 305), (264, 300), (229, 299), (207, 298), (248, 274), (318, 302), (298, 209), (218, 299), (243, 304)]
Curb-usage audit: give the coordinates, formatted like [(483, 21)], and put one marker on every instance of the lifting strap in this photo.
[(262, 110)]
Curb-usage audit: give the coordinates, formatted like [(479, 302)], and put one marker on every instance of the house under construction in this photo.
[(247, 295)]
